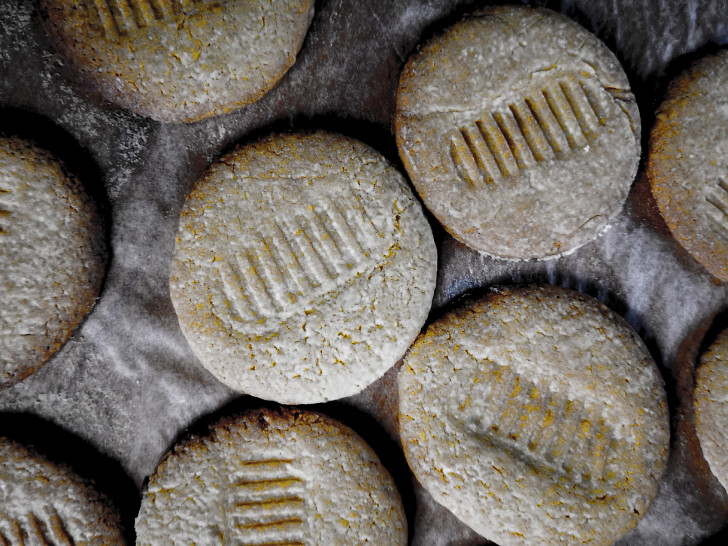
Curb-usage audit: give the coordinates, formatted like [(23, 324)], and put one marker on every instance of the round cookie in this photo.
[(687, 166), (179, 60), (46, 503), (303, 268), (52, 256), (711, 406), (536, 416), (287, 477), (519, 131)]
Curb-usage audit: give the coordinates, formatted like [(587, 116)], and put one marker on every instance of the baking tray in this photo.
[(126, 385)]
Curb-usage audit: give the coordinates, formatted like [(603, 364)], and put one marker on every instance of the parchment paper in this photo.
[(126, 385)]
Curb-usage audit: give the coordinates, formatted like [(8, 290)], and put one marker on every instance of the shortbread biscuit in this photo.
[(519, 131), (688, 162), (287, 477), (52, 257), (537, 416), (47, 503), (303, 268), (179, 60), (711, 406)]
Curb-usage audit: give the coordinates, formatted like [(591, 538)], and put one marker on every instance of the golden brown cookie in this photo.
[(179, 60), (711, 406), (288, 477), (536, 416), (519, 131), (303, 268), (687, 166), (52, 257), (44, 503)]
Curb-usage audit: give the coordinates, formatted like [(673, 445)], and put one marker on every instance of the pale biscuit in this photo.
[(288, 477), (52, 257), (537, 416), (519, 131), (688, 162), (303, 268), (711, 406), (179, 60), (44, 503)]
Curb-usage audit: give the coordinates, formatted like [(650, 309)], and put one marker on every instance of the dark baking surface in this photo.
[(126, 385)]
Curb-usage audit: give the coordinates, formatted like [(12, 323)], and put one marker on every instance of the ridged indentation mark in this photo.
[(362, 224), (563, 115), (315, 269), (718, 200), (270, 524), (34, 529), (546, 428), (117, 18), (498, 144), (296, 259), (266, 483), (515, 139), (548, 123), (4, 212), (267, 504), (272, 272), (346, 238), (586, 116), (463, 157), (255, 286), (531, 130), (484, 152), (333, 260)]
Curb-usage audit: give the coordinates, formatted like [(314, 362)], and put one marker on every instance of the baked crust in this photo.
[(687, 166), (46, 503), (273, 477), (178, 60), (711, 406), (303, 268), (519, 131), (536, 416), (53, 257)]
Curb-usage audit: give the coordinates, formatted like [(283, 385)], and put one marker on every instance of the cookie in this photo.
[(536, 416), (687, 166), (519, 131), (711, 406), (52, 257), (178, 60), (42, 502), (303, 268), (287, 477)]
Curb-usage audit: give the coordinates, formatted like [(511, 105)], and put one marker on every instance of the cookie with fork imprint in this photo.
[(42, 502), (711, 406), (304, 267), (536, 416), (178, 60), (272, 477), (52, 257), (519, 131), (687, 166)]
